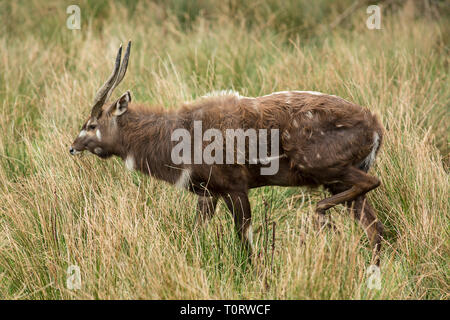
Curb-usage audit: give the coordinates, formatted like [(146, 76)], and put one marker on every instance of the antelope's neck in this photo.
[(146, 143)]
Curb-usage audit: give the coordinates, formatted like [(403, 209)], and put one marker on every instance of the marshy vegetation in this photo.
[(134, 237)]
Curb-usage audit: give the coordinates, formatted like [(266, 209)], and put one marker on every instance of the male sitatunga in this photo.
[(323, 140)]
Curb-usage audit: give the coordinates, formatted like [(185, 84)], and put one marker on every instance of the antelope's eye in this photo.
[(92, 127)]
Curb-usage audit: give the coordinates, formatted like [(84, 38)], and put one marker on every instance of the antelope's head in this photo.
[(99, 134)]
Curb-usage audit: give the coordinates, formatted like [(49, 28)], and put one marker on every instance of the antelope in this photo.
[(324, 141)]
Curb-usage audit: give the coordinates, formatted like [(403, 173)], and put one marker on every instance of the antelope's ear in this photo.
[(121, 105)]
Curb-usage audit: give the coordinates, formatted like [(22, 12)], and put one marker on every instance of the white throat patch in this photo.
[(129, 163), (183, 180)]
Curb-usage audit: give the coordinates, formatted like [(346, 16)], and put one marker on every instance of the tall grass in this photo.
[(133, 236)]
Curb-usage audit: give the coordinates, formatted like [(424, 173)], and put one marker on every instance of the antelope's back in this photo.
[(306, 111)]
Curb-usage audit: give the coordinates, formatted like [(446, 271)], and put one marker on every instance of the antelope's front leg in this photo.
[(239, 206), (206, 207)]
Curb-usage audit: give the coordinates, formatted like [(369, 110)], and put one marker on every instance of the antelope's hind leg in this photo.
[(361, 210), (360, 183)]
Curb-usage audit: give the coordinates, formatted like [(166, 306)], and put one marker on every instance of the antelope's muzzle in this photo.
[(73, 151)]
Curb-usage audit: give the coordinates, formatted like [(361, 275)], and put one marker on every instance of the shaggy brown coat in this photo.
[(325, 140)]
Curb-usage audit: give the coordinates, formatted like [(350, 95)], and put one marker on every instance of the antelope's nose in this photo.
[(72, 151)]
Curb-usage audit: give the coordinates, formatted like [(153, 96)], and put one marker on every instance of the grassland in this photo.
[(133, 236)]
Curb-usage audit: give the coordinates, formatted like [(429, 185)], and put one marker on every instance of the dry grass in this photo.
[(132, 236)]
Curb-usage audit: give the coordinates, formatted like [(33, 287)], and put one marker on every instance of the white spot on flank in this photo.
[(82, 133), (266, 160), (309, 114), (295, 123), (98, 134), (183, 180), (318, 156), (129, 162)]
